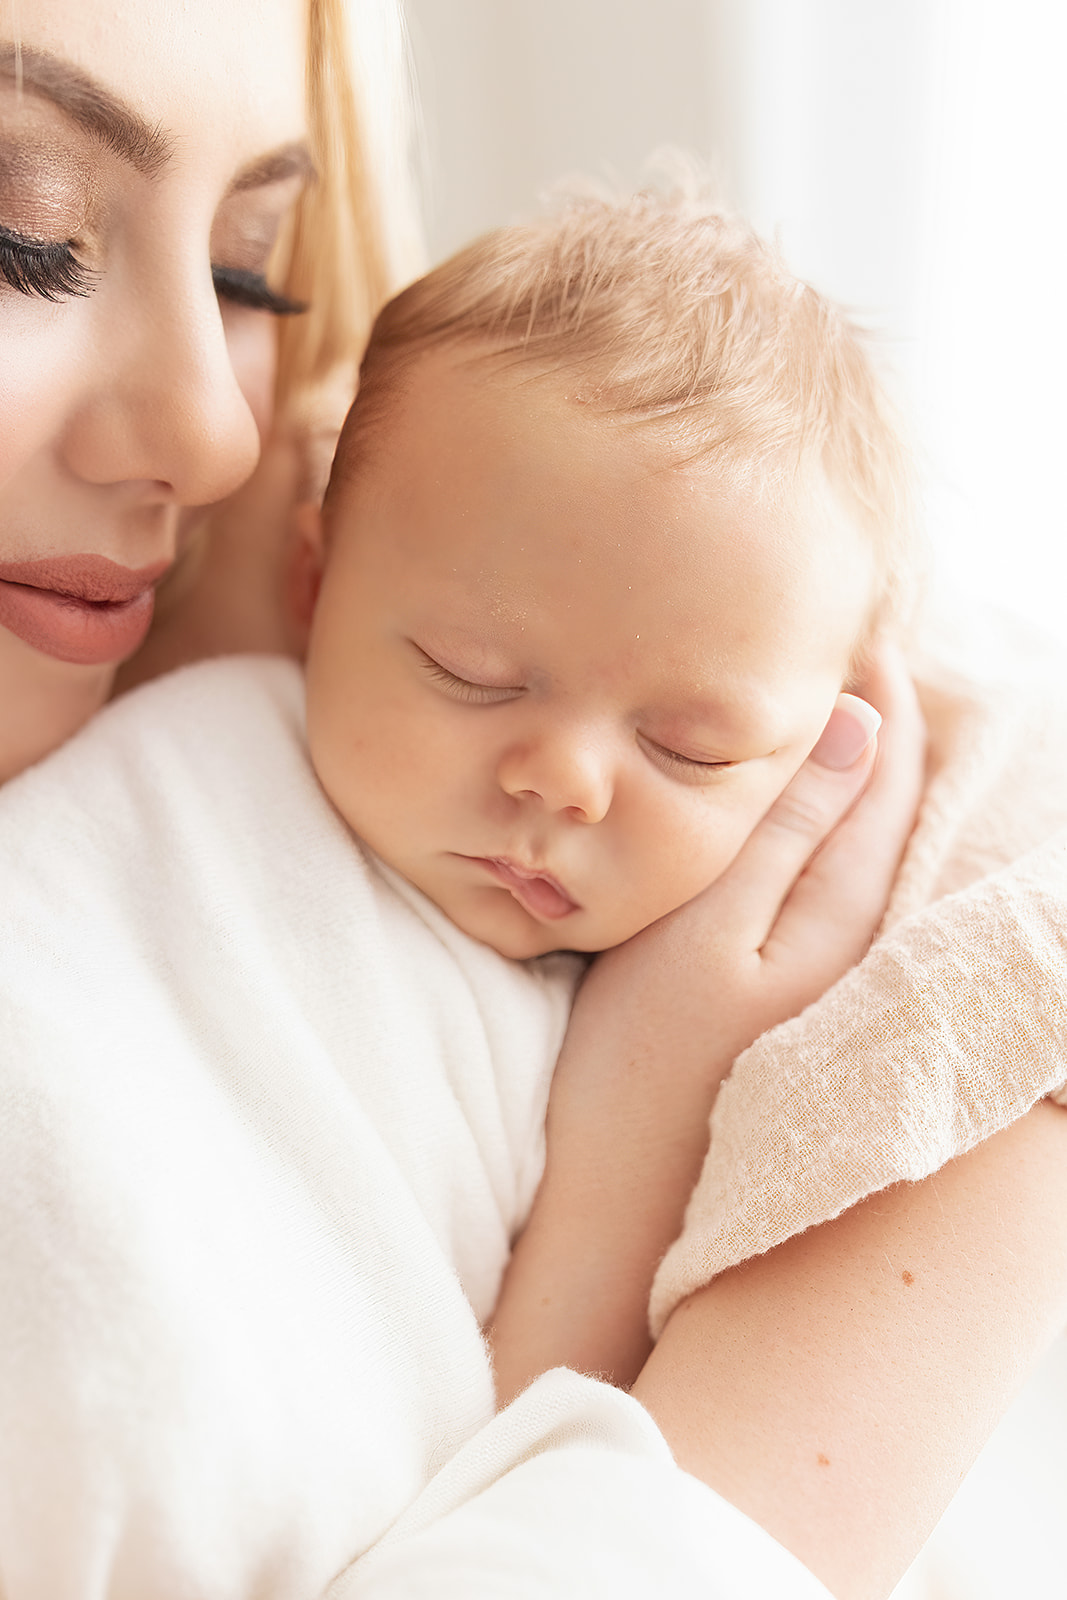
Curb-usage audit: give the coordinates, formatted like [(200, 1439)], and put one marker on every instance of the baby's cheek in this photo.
[(696, 858), (728, 822)]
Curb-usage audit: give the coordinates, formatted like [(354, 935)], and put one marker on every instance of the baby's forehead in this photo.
[(468, 393), (508, 495), (454, 409), (449, 404)]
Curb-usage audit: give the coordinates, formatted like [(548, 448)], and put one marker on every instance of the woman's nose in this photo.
[(562, 772), (164, 407)]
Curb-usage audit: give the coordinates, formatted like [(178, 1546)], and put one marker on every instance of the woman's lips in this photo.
[(84, 609), (538, 893)]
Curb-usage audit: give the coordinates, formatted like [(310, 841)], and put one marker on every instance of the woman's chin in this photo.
[(45, 703)]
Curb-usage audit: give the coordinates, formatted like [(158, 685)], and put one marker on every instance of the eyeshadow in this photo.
[(42, 193)]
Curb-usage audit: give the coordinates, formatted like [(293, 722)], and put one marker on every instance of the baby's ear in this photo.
[(304, 574)]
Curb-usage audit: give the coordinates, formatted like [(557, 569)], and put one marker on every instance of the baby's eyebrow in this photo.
[(742, 713), (721, 702), (88, 105)]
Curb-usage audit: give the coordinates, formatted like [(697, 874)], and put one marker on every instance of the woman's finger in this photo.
[(836, 904), (750, 894)]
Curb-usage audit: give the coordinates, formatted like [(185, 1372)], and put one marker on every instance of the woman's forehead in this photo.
[(151, 77)]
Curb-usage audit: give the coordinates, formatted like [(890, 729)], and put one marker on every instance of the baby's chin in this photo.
[(506, 928), (521, 944)]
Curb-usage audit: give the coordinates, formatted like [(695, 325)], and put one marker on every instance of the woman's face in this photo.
[(149, 153)]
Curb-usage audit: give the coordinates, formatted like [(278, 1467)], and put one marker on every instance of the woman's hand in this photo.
[(659, 1021)]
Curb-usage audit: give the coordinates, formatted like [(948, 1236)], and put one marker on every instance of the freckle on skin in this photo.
[(824, 1461), (907, 1277)]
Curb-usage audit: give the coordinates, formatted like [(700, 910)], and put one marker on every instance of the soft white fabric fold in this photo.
[(572, 1492)]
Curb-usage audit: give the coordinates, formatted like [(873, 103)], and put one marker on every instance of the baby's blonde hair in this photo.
[(666, 310)]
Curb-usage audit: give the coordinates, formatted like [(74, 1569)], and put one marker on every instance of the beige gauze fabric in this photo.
[(954, 1024)]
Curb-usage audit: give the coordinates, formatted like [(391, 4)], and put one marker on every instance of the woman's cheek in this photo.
[(40, 378), (252, 340)]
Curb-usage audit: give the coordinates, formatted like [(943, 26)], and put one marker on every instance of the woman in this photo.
[(167, 193), (142, 279)]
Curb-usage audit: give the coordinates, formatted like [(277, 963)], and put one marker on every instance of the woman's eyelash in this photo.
[(42, 267), (50, 270), (251, 289)]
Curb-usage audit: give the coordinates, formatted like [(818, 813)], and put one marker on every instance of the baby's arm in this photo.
[(657, 1026)]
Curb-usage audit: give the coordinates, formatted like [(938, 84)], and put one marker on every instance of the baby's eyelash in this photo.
[(479, 694), (46, 268), (251, 289), (688, 767)]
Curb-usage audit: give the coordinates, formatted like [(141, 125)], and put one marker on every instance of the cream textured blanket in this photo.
[(955, 1023)]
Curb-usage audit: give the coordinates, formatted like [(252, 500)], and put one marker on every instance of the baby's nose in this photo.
[(564, 773)]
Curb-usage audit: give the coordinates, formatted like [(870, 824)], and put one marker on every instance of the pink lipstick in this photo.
[(539, 894), (84, 609)]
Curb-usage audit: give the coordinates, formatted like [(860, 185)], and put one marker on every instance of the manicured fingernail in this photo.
[(852, 726)]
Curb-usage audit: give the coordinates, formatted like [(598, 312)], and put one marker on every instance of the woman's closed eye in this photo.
[(465, 689), (251, 290), (49, 269), (46, 268)]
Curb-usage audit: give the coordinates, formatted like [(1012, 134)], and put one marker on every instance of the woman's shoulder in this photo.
[(223, 694), (208, 759), (207, 715)]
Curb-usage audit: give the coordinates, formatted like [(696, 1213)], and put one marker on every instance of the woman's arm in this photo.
[(838, 1388), (656, 1028)]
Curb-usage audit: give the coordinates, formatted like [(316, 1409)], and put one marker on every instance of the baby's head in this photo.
[(612, 520)]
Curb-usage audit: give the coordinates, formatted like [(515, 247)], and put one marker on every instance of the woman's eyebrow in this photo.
[(289, 161), (88, 104)]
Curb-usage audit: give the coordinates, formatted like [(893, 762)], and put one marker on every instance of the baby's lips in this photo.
[(851, 727)]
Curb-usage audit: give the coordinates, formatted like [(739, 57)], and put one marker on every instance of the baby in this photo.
[(612, 524), (613, 520)]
